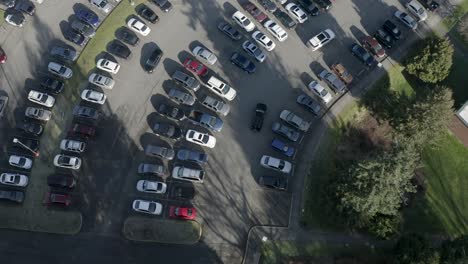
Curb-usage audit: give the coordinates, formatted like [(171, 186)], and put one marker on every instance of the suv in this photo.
[(153, 61), (155, 169), (186, 81), (257, 121), (85, 112), (215, 105), (333, 81), (61, 181), (221, 88), (309, 7), (285, 19), (188, 174), (160, 152)]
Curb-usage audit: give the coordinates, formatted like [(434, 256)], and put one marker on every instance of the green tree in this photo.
[(414, 249), (455, 251), (433, 63)]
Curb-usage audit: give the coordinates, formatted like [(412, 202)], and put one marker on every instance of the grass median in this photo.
[(144, 229)]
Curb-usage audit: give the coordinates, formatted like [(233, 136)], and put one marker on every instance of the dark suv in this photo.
[(61, 181), (153, 61), (285, 19), (257, 121)]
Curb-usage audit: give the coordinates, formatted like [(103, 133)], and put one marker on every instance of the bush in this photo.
[(463, 29), (414, 249)]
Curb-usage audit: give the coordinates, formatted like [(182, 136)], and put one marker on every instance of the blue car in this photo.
[(88, 16), (283, 148)]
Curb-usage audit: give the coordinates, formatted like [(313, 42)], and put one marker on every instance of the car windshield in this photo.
[(281, 165), (245, 22), (323, 92), (205, 139), (43, 98), (102, 4), (62, 70), (152, 207)]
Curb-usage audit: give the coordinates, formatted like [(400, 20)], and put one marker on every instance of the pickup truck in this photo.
[(205, 120)]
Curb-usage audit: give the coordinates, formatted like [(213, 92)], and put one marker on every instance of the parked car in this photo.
[(38, 113), (384, 38), (102, 5), (372, 45), (64, 53), (171, 112), (417, 9), (243, 63), (31, 128), (215, 105), (255, 12), (283, 147), (253, 51), (72, 145), (205, 54), (108, 66), (67, 162), (268, 5), (186, 81), (15, 18), (153, 61), (154, 169), (182, 192), (406, 19), (119, 49), (210, 122), (342, 73), (276, 30), (286, 131), (263, 40), (392, 29), (20, 142), (308, 103), (93, 96), (156, 187), (159, 152), (333, 81), (13, 196), (184, 213), (243, 21), (53, 198), (88, 16), (192, 155), (126, 35), (181, 97), (321, 39), (82, 130), (167, 130), (60, 70), (147, 207), (14, 179), (221, 88), (324, 4), (21, 162), (41, 98), (165, 5), (61, 181), (188, 174), (274, 182), (285, 19), (257, 121), (52, 85), (363, 55), (196, 67), (229, 30), (138, 26), (294, 120), (148, 14), (200, 138), (276, 164), (83, 28), (74, 36), (309, 7), (296, 12), (101, 81)]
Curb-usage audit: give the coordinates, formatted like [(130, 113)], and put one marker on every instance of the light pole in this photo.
[(15, 140)]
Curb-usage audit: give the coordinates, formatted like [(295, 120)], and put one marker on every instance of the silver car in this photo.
[(294, 120), (254, 51), (154, 169), (186, 81), (38, 113), (72, 145), (205, 54), (181, 97), (216, 105)]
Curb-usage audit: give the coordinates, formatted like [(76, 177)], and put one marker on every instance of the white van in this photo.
[(221, 88)]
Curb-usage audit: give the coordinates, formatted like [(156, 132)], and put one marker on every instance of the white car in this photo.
[(72, 145), (102, 4), (296, 12), (406, 19), (276, 164), (243, 21), (38, 1), (108, 66), (41, 98), (320, 91), (321, 39), (417, 9), (60, 70), (138, 26), (14, 179), (263, 40), (151, 186), (188, 174), (101, 81), (276, 30), (254, 51), (220, 88), (20, 162), (68, 162), (205, 54), (38, 113), (147, 207), (201, 139), (294, 120), (93, 96)]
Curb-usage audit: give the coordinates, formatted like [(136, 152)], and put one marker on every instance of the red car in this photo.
[(373, 46), (196, 67), (58, 199), (83, 130), (255, 12), (3, 57), (185, 213)]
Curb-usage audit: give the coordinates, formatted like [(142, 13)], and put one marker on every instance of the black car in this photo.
[(13, 196), (86, 112), (32, 144), (229, 30), (167, 130), (243, 63), (182, 192), (83, 28), (153, 61), (392, 29), (126, 35), (148, 14), (31, 128), (257, 121), (52, 85), (8, 3), (309, 7), (274, 182), (383, 38), (285, 19), (324, 4), (119, 49), (363, 55), (165, 5), (268, 5), (74, 36), (61, 181), (65, 53), (26, 6), (171, 112)]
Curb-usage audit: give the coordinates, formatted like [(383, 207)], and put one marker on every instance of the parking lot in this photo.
[(229, 201)]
